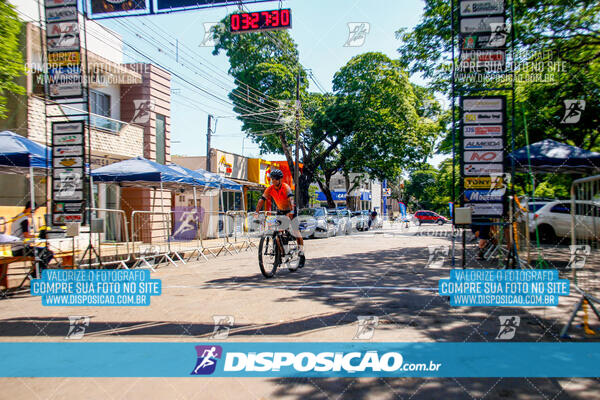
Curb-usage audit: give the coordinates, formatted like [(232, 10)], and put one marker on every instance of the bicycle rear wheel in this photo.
[(268, 256)]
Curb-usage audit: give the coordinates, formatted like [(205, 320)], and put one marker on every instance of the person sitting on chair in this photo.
[(20, 228)]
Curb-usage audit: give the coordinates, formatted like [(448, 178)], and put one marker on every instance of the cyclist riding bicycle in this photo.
[(282, 195)]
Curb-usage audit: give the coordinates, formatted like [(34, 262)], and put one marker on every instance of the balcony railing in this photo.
[(105, 123)]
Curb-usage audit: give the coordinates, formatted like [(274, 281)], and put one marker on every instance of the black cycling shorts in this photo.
[(286, 212)]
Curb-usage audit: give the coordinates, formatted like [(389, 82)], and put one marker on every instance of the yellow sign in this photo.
[(258, 171), (225, 167), (484, 182), (64, 59)]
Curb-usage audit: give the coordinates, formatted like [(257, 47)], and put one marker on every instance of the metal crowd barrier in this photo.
[(218, 225), (151, 235), (241, 229), (116, 232), (584, 264), (186, 234)]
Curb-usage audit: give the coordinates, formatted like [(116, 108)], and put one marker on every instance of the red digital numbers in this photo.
[(263, 20), (235, 22), (275, 15), (285, 17)]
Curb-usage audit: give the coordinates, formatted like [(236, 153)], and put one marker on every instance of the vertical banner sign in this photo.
[(64, 50), (65, 82), (483, 36), (68, 172), (483, 136)]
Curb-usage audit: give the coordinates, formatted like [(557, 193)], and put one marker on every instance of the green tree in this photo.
[(265, 66), (570, 28), (11, 61), (377, 120), (561, 35)]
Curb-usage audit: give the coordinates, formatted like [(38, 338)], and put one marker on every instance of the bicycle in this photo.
[(278, 246)]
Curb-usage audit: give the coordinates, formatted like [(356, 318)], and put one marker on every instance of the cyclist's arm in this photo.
[(262, 200), (291, 199), (259, 206)]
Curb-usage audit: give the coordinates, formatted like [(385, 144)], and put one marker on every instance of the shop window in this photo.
[(231, 201)]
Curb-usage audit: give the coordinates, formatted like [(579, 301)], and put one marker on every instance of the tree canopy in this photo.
[(11, 61)]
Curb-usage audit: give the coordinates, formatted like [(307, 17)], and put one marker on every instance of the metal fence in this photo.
[(584, 264), (151, 235), (112, 247), (178, 236)]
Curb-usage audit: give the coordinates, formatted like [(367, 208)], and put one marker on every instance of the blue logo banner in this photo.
[(495, 287), (95, 287), (317, 360)]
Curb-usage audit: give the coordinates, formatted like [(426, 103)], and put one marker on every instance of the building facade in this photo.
[(130, 114)]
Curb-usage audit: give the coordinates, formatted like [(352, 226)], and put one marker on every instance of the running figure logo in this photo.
[(210, 29), (207, 359), (223, 324), (77, 325), (499, 34), (508, 327), (357, 33), (366, 327), (573, 111), (187, 225), (437, 256), (143, 108), (579, 254)]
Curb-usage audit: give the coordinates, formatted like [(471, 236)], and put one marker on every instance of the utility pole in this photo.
[(296, 161), (208, 133)]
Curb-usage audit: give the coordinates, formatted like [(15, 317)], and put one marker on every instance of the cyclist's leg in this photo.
[(295, 231)]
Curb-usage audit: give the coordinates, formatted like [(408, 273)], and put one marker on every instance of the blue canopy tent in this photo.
[(20, 155), (202, 179), (224, 184), (142, 172), (549, 156)]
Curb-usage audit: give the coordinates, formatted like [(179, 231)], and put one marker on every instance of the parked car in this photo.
[(342, 218), (346, 216), (553, 220), (533, 207), (360, 220), (334, 219), (313, 223), (429, 217)]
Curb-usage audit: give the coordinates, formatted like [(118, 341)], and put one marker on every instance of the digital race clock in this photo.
[(260, 21)]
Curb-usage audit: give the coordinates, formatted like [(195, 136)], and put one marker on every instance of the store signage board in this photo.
[(483, 137), (68, 177)]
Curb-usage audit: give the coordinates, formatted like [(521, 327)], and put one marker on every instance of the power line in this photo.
[(213, 67), (234, 92)]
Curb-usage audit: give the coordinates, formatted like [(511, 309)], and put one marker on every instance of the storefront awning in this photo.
[(340, 195), (248, 184)]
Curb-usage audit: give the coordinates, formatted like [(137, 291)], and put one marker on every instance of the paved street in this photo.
[(382, 274)]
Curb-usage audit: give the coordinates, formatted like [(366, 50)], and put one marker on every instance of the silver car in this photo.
[(313, 223)]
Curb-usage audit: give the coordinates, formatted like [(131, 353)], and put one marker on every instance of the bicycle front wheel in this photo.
[(269, 256)]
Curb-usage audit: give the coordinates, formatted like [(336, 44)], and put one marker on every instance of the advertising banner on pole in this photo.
[(482, 155)]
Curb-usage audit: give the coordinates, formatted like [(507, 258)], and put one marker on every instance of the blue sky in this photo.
[(320, 28)]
